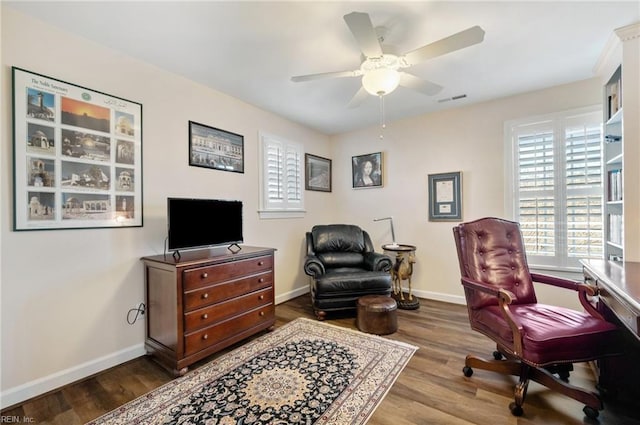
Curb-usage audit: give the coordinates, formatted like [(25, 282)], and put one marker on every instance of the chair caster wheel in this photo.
[(516, 410), (467, 371), (590, 412), (497, 355)]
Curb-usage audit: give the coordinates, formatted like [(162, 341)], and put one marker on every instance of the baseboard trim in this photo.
[(43, 385), (292, 294), (438, 296), (430, 295)]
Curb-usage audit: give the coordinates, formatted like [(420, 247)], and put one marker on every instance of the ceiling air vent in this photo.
[(447, 99)]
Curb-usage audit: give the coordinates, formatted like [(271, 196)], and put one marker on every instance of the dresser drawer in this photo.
[(206, 316), (226, 290), (204, 276), (216, 333)]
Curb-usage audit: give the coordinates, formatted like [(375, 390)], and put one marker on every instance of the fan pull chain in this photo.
[(382, 123)]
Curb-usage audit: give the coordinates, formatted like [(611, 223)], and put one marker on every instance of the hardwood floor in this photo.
[(431, 389)]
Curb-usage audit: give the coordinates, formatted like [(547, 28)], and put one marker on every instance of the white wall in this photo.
[(65, 293), (467, 139)]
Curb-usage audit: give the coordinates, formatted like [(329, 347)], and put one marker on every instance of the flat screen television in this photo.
[(200, 223)]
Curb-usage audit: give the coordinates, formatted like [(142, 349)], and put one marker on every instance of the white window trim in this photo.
[(509, 169), (266, 211)]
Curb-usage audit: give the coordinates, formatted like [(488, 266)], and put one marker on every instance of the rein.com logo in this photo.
[(15, 419)]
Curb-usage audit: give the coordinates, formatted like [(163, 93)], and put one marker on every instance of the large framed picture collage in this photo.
[(77, 156)]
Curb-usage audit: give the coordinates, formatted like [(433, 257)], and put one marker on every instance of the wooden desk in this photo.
[(619, 301), (619, 287)]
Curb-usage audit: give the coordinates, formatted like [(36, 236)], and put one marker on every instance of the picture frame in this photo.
[(367, 171), (317, 175), (77, 156), (445, 196), (211, 147)]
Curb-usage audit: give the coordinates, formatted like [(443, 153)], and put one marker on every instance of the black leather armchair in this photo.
[(343, 267)]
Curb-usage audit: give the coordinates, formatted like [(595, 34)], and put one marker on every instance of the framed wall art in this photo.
[(445, 197), (317, 173), (211, 147), (77, 156), (366, 170)]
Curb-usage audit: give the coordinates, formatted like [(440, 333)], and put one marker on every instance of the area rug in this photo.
[(305, 372)]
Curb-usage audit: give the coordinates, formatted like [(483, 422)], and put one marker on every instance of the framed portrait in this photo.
[(317, 173), (366, 170), (445, 196), (211, 147), (77, 156)]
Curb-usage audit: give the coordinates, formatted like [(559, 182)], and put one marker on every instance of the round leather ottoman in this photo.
[(377, 314)]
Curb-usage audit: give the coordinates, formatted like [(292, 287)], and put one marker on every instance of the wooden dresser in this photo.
[(205, 301)]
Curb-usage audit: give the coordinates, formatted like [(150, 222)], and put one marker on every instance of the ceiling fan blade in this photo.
[(360, 25), (423, 86), (358, 98), (337, 74), (460, 40)]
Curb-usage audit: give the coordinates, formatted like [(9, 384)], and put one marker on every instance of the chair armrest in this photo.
[(505, 298), (487, 289), (313, 266), (375, 261), (555, 281), (584, 290)]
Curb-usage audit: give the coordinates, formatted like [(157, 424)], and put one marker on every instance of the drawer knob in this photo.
[(261, 297), (205, 336), (205, 316), (205, 275), (262, 313), (205, 295), (261, 263), (261, 280)]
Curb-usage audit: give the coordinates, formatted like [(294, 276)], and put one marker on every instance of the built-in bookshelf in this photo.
[(613, 155)]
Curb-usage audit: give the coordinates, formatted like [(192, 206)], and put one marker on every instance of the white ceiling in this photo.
[(249, 50)]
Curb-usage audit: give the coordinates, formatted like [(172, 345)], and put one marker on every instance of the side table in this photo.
[(402, 270)]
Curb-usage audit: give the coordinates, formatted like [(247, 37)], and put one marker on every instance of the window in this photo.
[(555, 186), (281, 178)]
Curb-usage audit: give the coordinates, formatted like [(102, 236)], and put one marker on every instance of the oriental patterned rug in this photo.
[(305, 372)]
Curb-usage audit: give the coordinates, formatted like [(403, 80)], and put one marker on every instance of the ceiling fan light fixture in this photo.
[(380, 81)]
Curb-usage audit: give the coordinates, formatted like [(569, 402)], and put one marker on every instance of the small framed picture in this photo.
[(445, 196), (214, 148), (317, 173), (366, 170)]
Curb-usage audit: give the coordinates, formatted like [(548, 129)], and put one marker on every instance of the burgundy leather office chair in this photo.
[(533, 340)]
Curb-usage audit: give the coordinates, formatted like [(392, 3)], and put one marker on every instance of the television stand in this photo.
[(204, 301)]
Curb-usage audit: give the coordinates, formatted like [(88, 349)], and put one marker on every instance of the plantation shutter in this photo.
[(558, 187), (584, 190), (275, 171), (536, 186), (282, 175), (293, 173)]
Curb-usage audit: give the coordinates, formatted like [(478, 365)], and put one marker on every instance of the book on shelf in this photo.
[(614, 181), (616, 227), (614, 98)]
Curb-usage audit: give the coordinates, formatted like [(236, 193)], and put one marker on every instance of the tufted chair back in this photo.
[(340, 245), (491, 251)]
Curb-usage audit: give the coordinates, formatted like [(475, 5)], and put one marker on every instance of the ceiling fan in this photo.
[(381, 72)]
